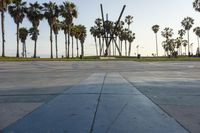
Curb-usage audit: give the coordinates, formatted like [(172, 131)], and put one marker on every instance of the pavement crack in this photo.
[(97, 107), (116, 118)]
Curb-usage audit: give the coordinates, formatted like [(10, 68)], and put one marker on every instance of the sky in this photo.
[(146, 13)]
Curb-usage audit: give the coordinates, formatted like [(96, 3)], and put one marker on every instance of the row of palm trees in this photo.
[(122, 34), (50, 11), (174, 46)]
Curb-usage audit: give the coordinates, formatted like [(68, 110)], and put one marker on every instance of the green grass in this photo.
[(95, 58)]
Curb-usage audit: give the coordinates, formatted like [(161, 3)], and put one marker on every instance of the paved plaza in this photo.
[(99, 97)]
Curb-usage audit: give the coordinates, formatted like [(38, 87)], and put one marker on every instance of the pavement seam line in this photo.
[(157, 105), (97, 106)]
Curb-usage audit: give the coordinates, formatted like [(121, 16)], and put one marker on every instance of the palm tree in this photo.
[(129, 20), (99, 25), (34, 15), (187, 24), (167, 33), (155, 29), (82, 38), (185, 43), (181, 34), (56, 28), (93, 31), (65, 28), (72, 34), (23, 33), (17, 11), (196, 5), (131, 38), (3, 8), (68, 11), (197, 32), (51, 13), (77, 34)]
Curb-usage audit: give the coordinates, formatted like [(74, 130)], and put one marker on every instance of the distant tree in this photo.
[(155, 29), (34, 14), (82, 38), (17, 11), (56, 28), (23, 33), (99, 25), (187, 24), (77, 35), (131, 38), (181, 34), (129, 20), (197, 32), (167, 33), (3, 8), (93, 31), (185, 43)]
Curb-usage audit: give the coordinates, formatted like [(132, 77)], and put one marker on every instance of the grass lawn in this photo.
[(95, 58)]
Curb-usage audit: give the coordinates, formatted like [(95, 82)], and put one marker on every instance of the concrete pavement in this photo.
[(26, 88)]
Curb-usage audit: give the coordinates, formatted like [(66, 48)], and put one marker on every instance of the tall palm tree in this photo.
[(155, 29), (93, 31), (23, 33), (65, 28), (131, 38), (68, 11), (77, 34), (51, 13), (181, 34), (3, 8), (187, 24), (72, 34), (34, 14), (99, 25), (17, 11), (129, 21), (82, 38), (197, 32), (56, 28)]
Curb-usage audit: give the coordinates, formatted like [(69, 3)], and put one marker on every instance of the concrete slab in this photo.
[(126, 111), (66, 113), (11, 112)]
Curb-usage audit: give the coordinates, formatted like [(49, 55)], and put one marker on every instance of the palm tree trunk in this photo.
[(156, 44), (188, 42), (35, 49), (103, 43), (129, 52), (72, 47), (56, 42), (95, 39), (66, 46), (198, 45), (82, 51), (125, 47), (100, 46), (77, 48), (3, 33), (121, 48), (51, 41), (17, 40), (25, 50)]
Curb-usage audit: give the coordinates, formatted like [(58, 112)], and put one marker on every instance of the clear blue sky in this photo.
[(166, 13)]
